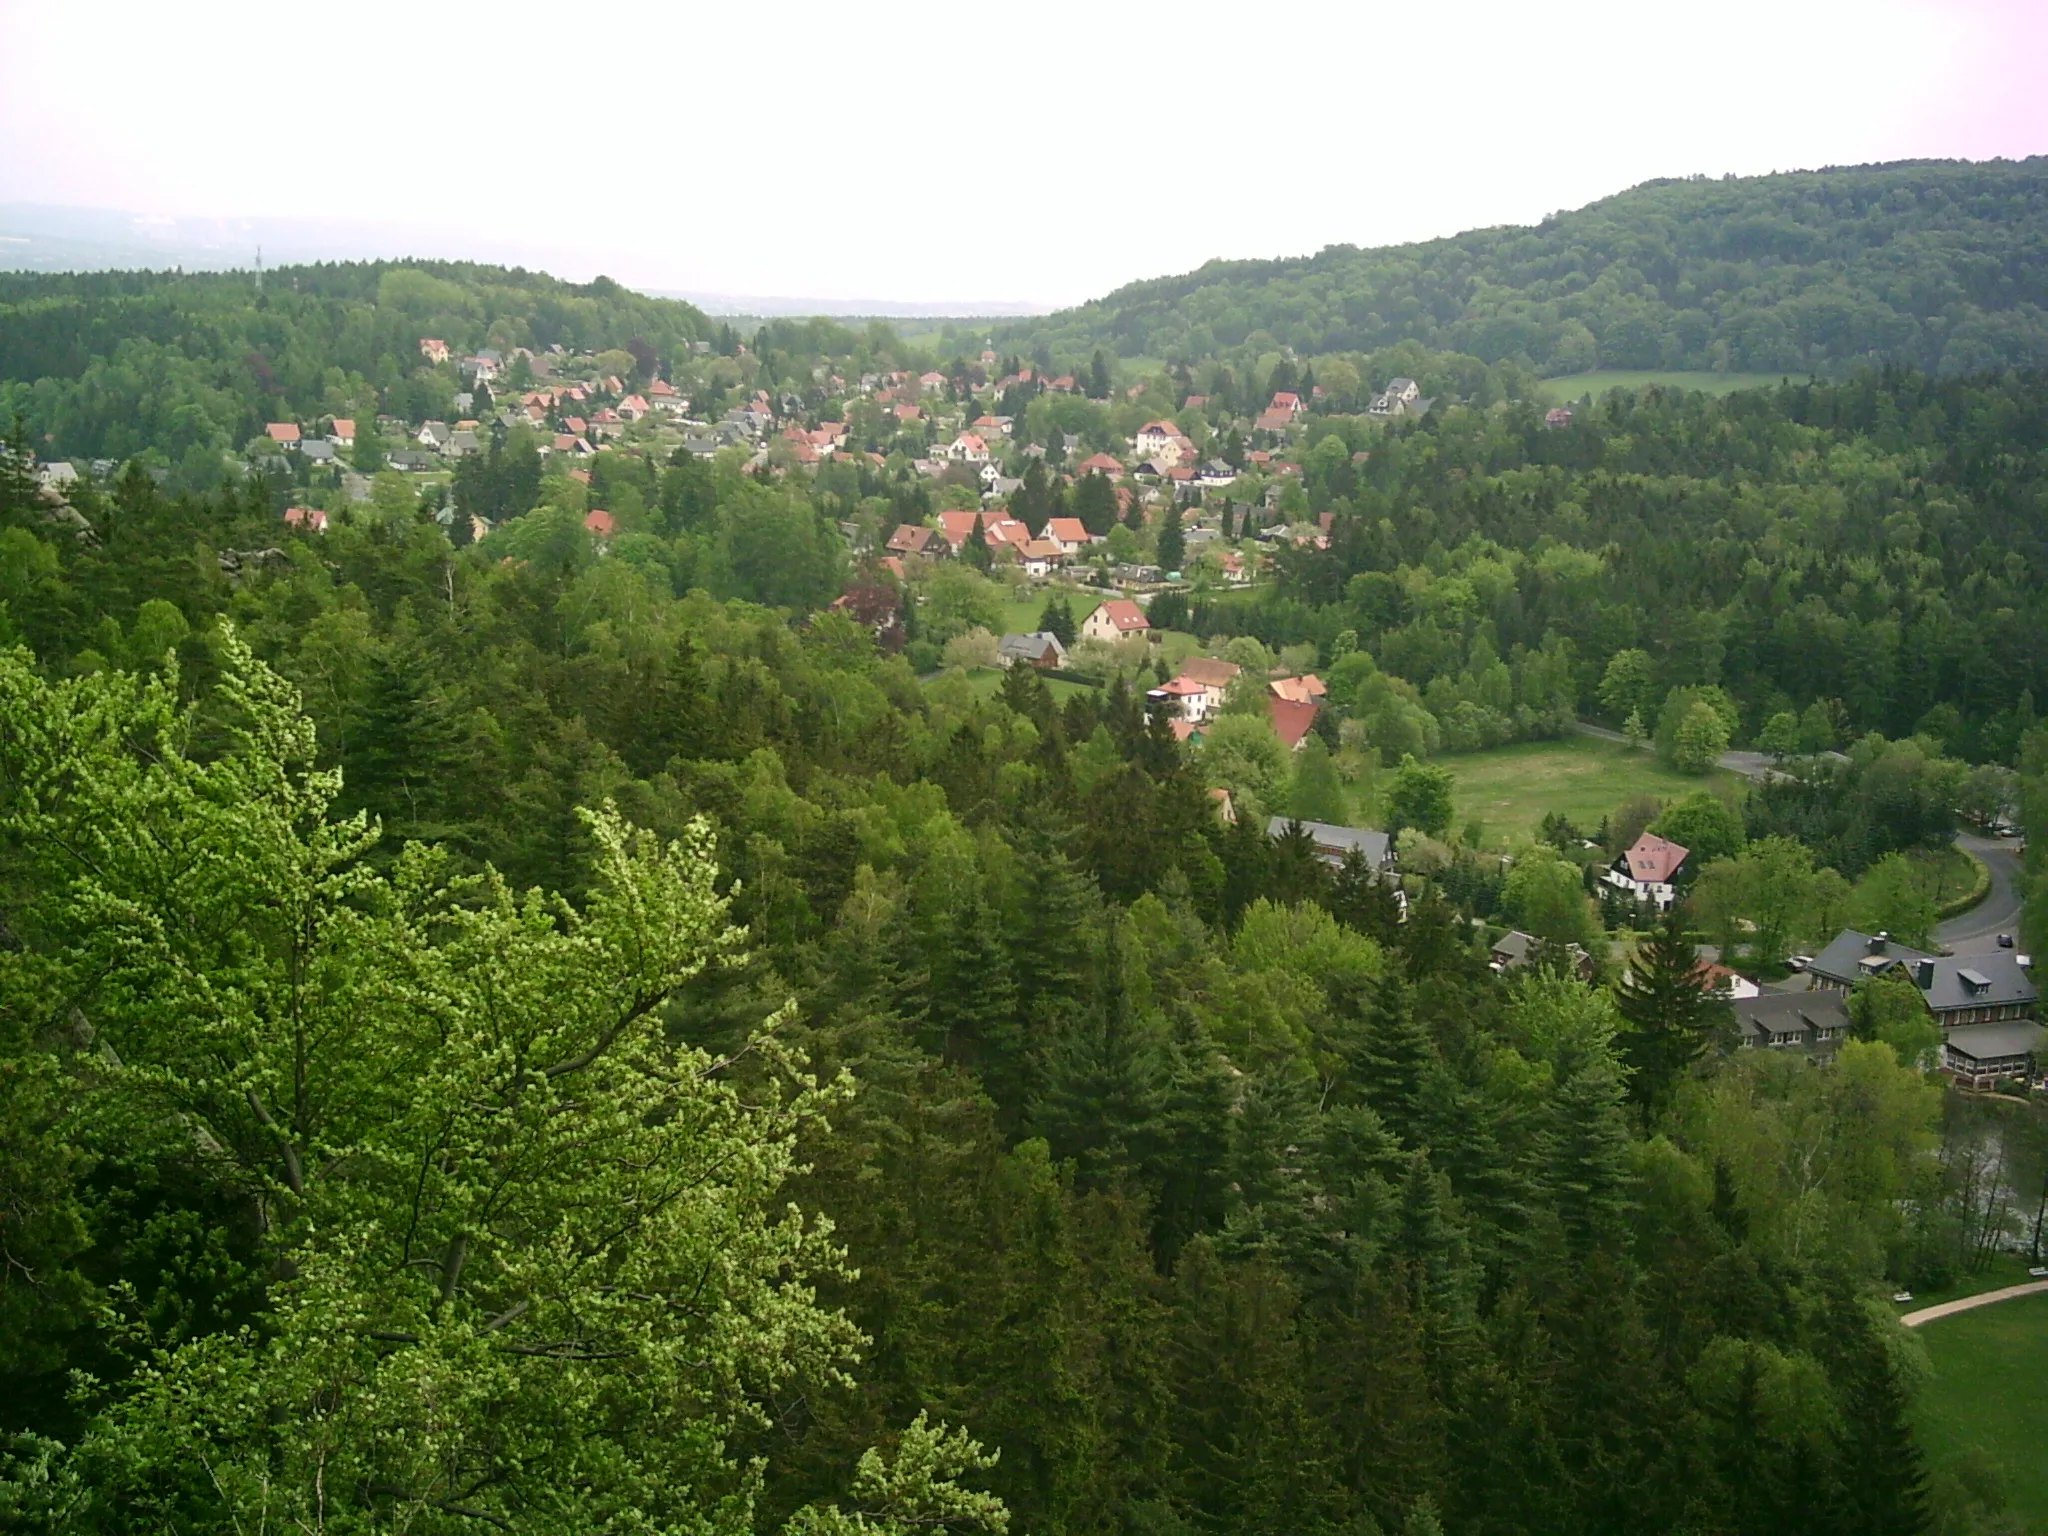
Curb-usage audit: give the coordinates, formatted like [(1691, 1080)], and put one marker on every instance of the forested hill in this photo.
[(106, 364), (1942, 264)]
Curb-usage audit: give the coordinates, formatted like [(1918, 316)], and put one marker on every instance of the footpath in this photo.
[(1965, 1303)]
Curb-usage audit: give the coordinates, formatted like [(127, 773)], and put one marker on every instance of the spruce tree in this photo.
[(1588, 1158), (1671, 1019), (1881, 1474), (1172, 547), (1392, 1060)]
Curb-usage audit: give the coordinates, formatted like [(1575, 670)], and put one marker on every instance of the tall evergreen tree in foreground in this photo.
[(1672, 1019)]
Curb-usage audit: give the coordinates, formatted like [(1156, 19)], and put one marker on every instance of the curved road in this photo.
[(1973, 932)]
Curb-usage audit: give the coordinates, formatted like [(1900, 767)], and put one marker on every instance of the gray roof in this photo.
[(1852, 956), (314, 448), (1333, 842), (1031, 647), (1993, 1042), (1779, 1013), (1978, 981)]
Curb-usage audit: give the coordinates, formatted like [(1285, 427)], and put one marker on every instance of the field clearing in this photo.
[(1571, 386), (1989, 1392), (1583, 778), (986, 680)]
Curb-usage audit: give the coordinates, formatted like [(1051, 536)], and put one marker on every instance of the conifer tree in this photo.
[(1672, 1020), (1172, 547), (1588, 1158), (1392, 1061)]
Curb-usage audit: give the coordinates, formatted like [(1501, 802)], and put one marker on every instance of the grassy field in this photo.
[(1573, 385), (1511, 789), (1990, 1392), (986, 680)]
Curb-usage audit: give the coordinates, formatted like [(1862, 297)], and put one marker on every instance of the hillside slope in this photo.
[(1943, 264), (106, 364)]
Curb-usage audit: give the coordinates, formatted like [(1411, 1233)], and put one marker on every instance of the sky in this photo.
[(944, 155)]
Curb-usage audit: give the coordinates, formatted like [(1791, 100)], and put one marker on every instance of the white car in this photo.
[(1799, 962)]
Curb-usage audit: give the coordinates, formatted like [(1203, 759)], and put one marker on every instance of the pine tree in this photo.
[(1363, 898), (1671, 1019), (1392, 1060), (1317, 793), (1881, 1474), (1588, 1158), (1100, 1086), (1057, 619), (1172, 548), (971, 1014)]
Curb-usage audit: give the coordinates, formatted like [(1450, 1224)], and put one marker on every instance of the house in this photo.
[(461, 443), (633, 407), (343, 433), (1649, 870), (931, 383), (433, 349), (600, 522), (312, 519), (434, 435), (316, 450), (1298, 690), (1180, 699), (1334, 844), (1997, 988), (1100, 464), (1273, 421), (1041, 559), (958, 527), (1214, 677), (1159, 441), (284, 433), (1810, 1021), (1515, 949), (1712, 976), (411, 460), (1983, 1053), (1070, 534), (1292, 721), (577, 447), (1041, 649), (1226, 808), (1116, 619), (1396, 399), (968, 448), (1557, 416), (912, 539)]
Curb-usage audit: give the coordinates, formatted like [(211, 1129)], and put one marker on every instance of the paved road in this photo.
[(1974, 932), (1966, 1303)]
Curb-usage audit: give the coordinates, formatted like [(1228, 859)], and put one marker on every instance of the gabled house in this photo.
[(1298, 690), (600, 523), (1158, 441), (433, 349), (434, 435), (284, 433), (1997, 988), (1649, 870), (1069, 534), (342, 433), (1212, 677), (1115, 620), (1180, 698), (316, 450), (1041, 559), (311, 519), (1514, 949), (1292, 721), (968, 448), (1335, 843), (1041, 649), (1100, 464), (1809, 1021)]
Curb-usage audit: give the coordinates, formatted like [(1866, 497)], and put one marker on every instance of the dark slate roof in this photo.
[(1990, 1042), (1778, 1013), (1031, 647), (1852, 956), (1335, 841), (1979, 981)]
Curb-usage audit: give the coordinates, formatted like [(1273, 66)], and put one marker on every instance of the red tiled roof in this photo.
[(1126, 615), (1291, 720), (1653, 859), (283, 431), (600, 522)]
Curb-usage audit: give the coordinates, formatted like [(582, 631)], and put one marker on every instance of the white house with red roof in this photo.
[(1116, 619), (284, 433), (312, 519), (600, 522), (1288, 401), (968, 448), (433, 349), (1070, 534), (1182, 698), (1101, 464), (1649, 869), (1159, 441)]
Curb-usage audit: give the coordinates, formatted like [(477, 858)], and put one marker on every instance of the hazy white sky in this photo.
[(937, 152)]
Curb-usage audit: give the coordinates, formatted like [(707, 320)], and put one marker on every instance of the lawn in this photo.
[(1573, 385), (1583, 778), (986, 680), (1989, 1392)]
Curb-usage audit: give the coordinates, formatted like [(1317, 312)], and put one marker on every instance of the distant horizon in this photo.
[(750, 162), (105, 239)]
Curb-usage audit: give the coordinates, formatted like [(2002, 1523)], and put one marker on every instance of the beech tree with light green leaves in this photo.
[(523, 1264)]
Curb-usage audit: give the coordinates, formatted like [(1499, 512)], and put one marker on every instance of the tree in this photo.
[(1890, 1007), (1057, 618), (1099, 383), (1894, 897), (1780, 735), (1704, 826), (1546, 896), (1627, 684), (1420, 797), (1317, 793), (1171, 549), (1701, 738), (1773, 887), (527, 1267), (1671, 1019)]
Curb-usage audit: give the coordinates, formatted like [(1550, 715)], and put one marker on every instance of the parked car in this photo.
[(1799, 962), (2005, 941)]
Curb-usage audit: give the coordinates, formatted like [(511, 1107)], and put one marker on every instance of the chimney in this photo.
[(1878, 942), (1923, 973)]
